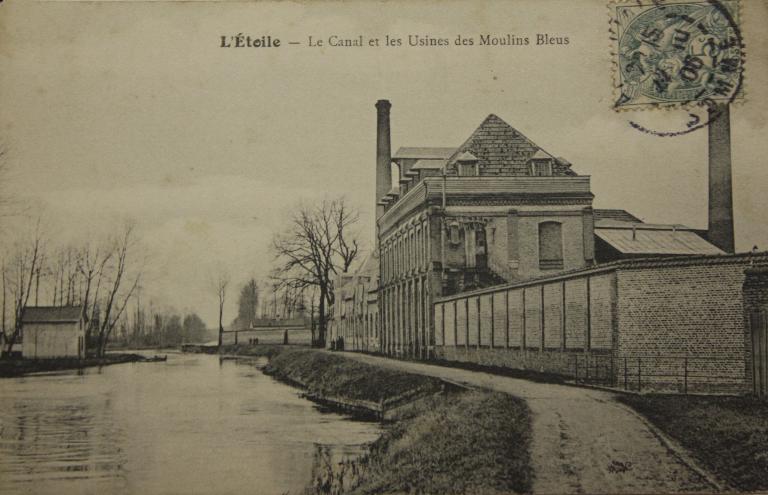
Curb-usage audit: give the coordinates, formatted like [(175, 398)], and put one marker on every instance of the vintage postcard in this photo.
[(367, 247)]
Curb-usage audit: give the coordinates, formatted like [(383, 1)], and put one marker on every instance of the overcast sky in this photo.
[(133, 110)]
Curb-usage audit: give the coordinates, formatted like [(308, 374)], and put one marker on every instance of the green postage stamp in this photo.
[(676, 53)]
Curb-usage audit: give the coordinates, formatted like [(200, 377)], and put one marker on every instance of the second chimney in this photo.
[(383, 154), (720, 228)]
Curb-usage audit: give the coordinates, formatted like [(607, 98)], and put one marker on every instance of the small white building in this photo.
[(53, 332)]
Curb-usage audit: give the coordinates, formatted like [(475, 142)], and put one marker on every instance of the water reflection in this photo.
[(337, 470), (188, 425)]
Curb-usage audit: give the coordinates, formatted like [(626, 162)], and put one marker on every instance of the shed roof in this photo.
[(615, 214), (433, 153), (52, 314), (653, 239)]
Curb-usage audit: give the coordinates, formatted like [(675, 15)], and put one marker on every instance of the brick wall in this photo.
[(690, 312), (511, 322), (756, 301), (675, 325), (601, 292)]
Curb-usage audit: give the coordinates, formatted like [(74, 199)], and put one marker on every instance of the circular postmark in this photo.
[(687, 55)]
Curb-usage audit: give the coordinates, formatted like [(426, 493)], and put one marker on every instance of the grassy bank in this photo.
[(333, 375), (472, 442), (18, 367), (726, 435), (453, 442), (259, 350)]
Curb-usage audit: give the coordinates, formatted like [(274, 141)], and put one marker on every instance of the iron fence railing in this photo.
[(680, 374)]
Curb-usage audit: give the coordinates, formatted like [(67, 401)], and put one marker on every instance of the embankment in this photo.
[(18, 367), (443, 439)]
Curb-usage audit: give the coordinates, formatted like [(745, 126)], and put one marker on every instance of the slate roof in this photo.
[(466, 156), (503, 150), (642, 239), (621, 215), (430, 153), (50, 314), (540, 155)]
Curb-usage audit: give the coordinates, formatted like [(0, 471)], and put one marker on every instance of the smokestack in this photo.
[(720, 228), (383, 154)]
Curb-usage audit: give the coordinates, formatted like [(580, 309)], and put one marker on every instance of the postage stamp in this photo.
[(671, 53)]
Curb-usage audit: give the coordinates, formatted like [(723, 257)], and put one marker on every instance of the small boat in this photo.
[(154, 359)]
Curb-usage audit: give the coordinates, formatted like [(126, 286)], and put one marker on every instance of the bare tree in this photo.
[(314, 249), (91, 262), (117, 295), (219, 284), (24, 264)]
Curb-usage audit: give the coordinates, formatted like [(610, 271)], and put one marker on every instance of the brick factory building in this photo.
[(491, 252)]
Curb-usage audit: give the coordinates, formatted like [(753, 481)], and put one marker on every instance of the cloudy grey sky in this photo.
[(114, 110)]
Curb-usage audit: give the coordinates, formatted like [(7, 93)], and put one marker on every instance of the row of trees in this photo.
[(159, 328), (100, 277)]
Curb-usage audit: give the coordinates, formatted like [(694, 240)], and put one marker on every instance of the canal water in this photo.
[(193, 424)]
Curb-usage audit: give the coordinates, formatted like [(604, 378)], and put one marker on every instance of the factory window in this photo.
[(550, 246), (454, 233), (481, 248)]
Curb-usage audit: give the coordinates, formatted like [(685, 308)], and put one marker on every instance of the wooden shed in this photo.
[(53, 332)]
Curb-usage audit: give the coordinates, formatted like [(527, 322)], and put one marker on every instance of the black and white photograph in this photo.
[(364, 247)]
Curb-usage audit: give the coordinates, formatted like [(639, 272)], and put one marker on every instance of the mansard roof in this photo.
[(503, 150)]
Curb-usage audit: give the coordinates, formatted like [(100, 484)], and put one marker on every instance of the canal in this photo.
[(193, 424)]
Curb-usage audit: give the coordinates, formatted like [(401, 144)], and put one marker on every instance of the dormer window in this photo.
[(467, 169), (466, 165), (540, 164), (541, 168)]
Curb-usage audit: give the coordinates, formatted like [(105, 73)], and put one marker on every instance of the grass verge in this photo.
[(456, 442), (471, 442), (726, 435), (332, 375), (259, 350)]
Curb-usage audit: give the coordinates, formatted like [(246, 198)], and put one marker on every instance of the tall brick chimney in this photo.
[(383, 154), (720, 228)]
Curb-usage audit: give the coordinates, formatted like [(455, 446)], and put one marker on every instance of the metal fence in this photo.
[(678, 374)]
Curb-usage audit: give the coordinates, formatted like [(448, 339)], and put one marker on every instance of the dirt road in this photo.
[(584, 441)]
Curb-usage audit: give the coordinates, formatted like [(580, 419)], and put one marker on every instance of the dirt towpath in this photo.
[(584, 441)]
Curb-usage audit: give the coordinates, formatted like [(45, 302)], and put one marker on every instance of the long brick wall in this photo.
[(674, 324), (539, 325)]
